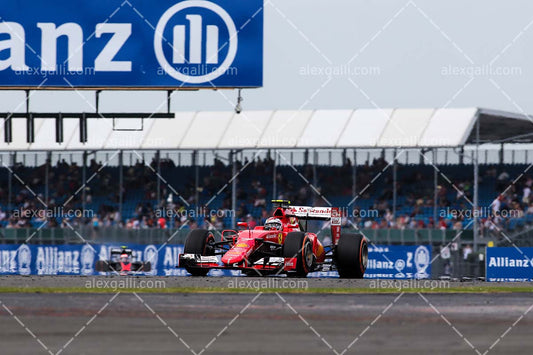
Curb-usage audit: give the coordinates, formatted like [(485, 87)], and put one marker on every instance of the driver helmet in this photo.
[(124, 258), (273, 223)]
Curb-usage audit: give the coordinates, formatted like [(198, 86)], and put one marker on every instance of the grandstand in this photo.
[(386, 178)]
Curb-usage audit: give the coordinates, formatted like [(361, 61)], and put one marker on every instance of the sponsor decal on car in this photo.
[(290, 264)]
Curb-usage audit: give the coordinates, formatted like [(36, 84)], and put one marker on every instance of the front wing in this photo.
[(113, 266), (273, 264), (212, 262)]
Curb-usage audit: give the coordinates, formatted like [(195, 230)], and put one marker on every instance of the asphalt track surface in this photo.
[(264, 323), (225, 282)]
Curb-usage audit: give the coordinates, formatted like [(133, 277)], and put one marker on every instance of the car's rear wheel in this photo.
[(102, 266), (147, 266), (298, 245), (199, 241), (351, 256), (142, 266)]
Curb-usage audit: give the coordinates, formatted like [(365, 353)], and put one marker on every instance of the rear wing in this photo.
[(121, 251), (306, 212), (332, 214)]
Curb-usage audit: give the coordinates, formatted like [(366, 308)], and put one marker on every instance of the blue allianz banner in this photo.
[(389, 262), (81, 259), (131, 44), (509, 264), (399, 262)]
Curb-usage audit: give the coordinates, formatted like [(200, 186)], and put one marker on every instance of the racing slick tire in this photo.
[(147, 266), (198, 242), (102, 266), (351, 256), (142, 266), (298, 246)]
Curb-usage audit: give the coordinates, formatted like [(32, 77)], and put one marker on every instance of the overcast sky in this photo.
[(405, 54)]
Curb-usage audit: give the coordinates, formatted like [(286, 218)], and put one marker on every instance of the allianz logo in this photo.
[(378, 264), (52, 260), (200, 51), (16, 261), (171, 256), (51, 33), (504, 261), (195, 42), (170, 261)]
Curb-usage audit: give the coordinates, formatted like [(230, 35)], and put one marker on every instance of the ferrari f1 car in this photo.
[(282, 246), (121, 262)]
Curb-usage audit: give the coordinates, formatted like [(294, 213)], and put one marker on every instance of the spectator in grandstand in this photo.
[(496, 205), (442, 224), (251, 221), (162, 223), (414, 195), (502, 182), (526, 192), (467, 250)]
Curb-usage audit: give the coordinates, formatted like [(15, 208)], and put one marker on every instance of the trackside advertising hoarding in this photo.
[(143, 44), (80, 259), (390, 262), (399, 262), (509, 264)]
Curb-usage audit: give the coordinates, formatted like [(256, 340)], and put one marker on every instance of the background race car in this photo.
[(121, 262)]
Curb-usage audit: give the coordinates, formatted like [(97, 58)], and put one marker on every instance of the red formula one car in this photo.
[(282, 246)]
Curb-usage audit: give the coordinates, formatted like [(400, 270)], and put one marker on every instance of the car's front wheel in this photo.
[(297, 245), (200, 242)]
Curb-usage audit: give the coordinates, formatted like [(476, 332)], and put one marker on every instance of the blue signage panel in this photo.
[(81, 259), (509, 264), (131, 44), (399, 262), (389, 262)]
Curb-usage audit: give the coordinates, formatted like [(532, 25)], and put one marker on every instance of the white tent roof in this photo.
[(362, 128)]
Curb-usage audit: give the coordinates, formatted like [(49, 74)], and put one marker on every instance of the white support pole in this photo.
[(394, 187), (11, 163), (274, 173), (158, 194), (233, 189), (435, 189), (476, 188), (195, 160), (354, 174), (315, 176), (83, 180), (48, 161), (121, 185)]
